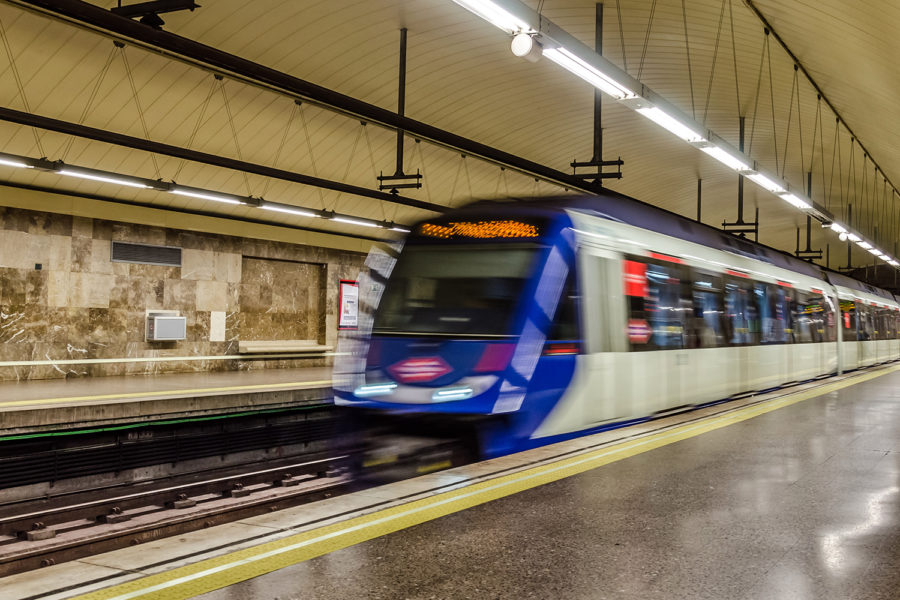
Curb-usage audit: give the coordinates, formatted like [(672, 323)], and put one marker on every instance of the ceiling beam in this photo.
[(186, 50), (110, 137)]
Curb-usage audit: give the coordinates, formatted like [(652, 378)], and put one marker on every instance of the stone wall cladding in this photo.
[(81, 305)]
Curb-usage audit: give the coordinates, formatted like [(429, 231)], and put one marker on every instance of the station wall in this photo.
[(64, 303)]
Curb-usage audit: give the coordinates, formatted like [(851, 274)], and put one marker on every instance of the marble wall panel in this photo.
[(81, 305)]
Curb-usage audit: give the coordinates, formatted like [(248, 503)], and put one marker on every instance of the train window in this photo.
[(742, 313), (471, 290), (658, 303), (810, 318), (865, 330), (774, 302), (706, 327), (565, 324), (848, 320)]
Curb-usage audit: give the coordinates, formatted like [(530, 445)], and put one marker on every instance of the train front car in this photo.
[(475, 334)]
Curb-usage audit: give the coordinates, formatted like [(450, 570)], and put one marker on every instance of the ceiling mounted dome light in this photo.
[(525, 46)]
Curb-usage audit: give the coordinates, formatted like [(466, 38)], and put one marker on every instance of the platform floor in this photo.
[(793, 495), (803, 502), (51, 404)]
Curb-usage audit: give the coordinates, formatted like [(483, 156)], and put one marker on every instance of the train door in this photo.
[(603, 315)]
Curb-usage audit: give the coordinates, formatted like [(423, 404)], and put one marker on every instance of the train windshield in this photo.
[(455, 290)]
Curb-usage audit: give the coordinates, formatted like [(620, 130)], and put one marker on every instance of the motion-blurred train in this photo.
[(512, 325)]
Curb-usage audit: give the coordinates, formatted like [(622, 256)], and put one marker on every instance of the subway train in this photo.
[(509, 325)]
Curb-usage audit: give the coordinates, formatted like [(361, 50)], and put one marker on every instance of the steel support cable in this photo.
[(312, 156), (90, 101), (19, 85), (762, 60), (119, 139), (622, 35), (95, 18), (646, 39), (234, 135), (280, 149), (835, 154), (787, 137), (772, 102), (806, 74), (137, 103), (737, 88), (712, 69), (821, 127), (687, 47), (352, 155), (425, 186), (203, 106), (851, 185), (372, 161)]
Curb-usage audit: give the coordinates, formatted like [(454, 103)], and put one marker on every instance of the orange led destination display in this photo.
[(479, 230)]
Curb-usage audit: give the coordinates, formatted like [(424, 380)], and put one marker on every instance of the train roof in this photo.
[(619, 207)]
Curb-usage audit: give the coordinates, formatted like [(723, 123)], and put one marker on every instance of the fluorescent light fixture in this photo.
[(588, 72), (8, 162), (795, 200), (291, 211), (104, 179), (400, 229), (205, 196), (495, 15), (763, 181), (355, 222), (864, 245), (667, 121), (448, 394), (726, 158), (852, 237), (374, 389), (874, 251), (893, 263), (837, 227)]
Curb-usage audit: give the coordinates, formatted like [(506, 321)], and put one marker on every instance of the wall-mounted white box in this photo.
[(165, 326)]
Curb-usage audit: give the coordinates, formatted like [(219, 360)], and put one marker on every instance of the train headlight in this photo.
[(449, 394), (374, 389)]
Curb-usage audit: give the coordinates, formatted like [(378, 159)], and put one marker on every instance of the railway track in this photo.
[(44, 531)]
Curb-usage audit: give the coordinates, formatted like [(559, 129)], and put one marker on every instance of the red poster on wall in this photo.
[(635, 279)]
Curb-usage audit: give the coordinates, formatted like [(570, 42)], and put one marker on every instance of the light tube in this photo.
[(874, 251), (837, 227), (290, 211), (893, 262), (852, 237), (726, 158), (400, 229), (102, 178), (14, 163), (762, 180), (205, 196), (864, 245), (589, 73), (355, 222), (666, 121), (794, 200), (495, 15)]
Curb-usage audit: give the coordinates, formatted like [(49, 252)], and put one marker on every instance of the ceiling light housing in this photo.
[(525, 46)]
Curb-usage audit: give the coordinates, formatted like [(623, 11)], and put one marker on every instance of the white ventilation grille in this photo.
[(146, 254)]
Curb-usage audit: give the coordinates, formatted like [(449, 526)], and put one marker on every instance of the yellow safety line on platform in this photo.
[(222, 571), (234, 388)]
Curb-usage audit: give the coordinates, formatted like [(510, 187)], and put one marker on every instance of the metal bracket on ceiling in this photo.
[(148, 12)]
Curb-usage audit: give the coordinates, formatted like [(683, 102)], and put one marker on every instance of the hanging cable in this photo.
[(737, 89), (137, 103), (90, 101), (646, 39), (203, 106), (280, 148), (234, 135), (762, 58), (20, 86), (622, 36), (712, 69), (687, 47)]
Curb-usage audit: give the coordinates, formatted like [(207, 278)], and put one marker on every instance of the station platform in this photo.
[(791, 494), (61, 404)]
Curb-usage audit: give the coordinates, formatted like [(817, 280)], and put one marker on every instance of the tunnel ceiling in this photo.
[(711, 58)]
